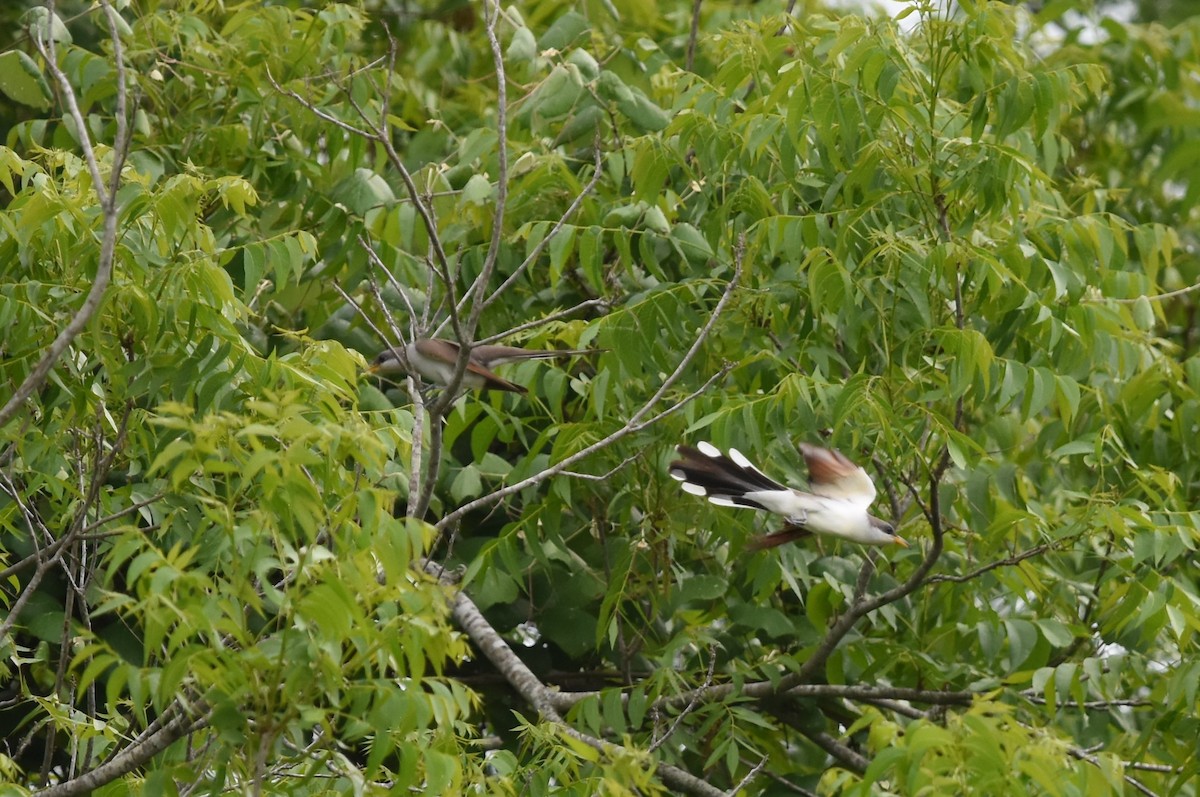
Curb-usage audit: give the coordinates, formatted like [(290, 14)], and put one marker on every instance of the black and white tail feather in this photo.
[(724, 480), (835, 504)]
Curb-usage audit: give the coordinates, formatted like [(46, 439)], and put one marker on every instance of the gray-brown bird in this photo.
[(434, 359)]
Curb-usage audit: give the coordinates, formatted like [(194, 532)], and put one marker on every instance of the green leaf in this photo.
[(364, 190), (691, 244), (1022, 636), (702, 588), (22, 81), (478, 191), (467, 484), (522, 47), (1056, 633), (564, 31)]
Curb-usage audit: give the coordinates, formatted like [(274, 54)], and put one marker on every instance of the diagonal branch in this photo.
[(1008, 561), (848, 757), (105, 192), (536, 694), (532, 257), (638, 420), (862, 606), (1084, 755), (144, 748)]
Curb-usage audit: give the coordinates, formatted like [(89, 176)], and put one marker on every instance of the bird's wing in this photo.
[(831, 474), (443, 351), (490, 354), (445, 354)]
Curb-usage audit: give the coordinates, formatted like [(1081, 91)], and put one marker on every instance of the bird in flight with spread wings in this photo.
[(839, 493)]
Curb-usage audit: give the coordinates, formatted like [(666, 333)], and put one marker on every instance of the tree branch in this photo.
[(602, 303), (1037, 550), (535, 693), (762, 689), (712, 664), (693, 35), (637, 421), (130, 758), (849, 758), (1084, 755), (108, 207), (571, 210)]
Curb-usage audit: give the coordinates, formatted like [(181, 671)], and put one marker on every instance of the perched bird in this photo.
[(836, 502), (434, 359)]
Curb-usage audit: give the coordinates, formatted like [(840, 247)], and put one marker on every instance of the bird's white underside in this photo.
[(838, 509)]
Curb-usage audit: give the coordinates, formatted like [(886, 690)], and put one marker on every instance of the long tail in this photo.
[(491, 355), (724, 480)]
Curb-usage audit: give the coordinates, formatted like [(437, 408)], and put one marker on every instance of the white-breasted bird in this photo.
[(835, 503), (434, 360)]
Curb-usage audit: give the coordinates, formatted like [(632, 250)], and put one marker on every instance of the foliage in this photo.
[(944, 244)]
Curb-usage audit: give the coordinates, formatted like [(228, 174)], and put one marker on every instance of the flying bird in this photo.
[(835, 504), (434, 360)]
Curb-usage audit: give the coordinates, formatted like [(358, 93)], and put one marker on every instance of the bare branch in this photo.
[(753, 773), (693, 35), (763, 689), (1092, 705), (1158, 297), (638, 420), (535, 693), (464, 331), (712, 664), (571, 210), (396, 286), (1006, 562), (1084, 755), (787, 784), (848, 757), (380, 134), (861, 606), (603, 303), (899, 708), (602, 476), (108, 208), (130, 758)]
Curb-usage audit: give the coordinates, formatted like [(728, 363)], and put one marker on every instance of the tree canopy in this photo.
[(958, 246)]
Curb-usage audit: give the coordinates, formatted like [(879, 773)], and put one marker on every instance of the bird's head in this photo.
[(889, 531), (387, 362)]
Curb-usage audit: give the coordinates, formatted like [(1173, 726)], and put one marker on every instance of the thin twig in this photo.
[(1038, 550), (753, 773), (604, 303), (1084, 755), (1092, 705), (1158, 297), (693, 35), (638, 421), (108, 207), (764, 689), (843, 753), (603, 476), (708, 677), (571, 210)]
